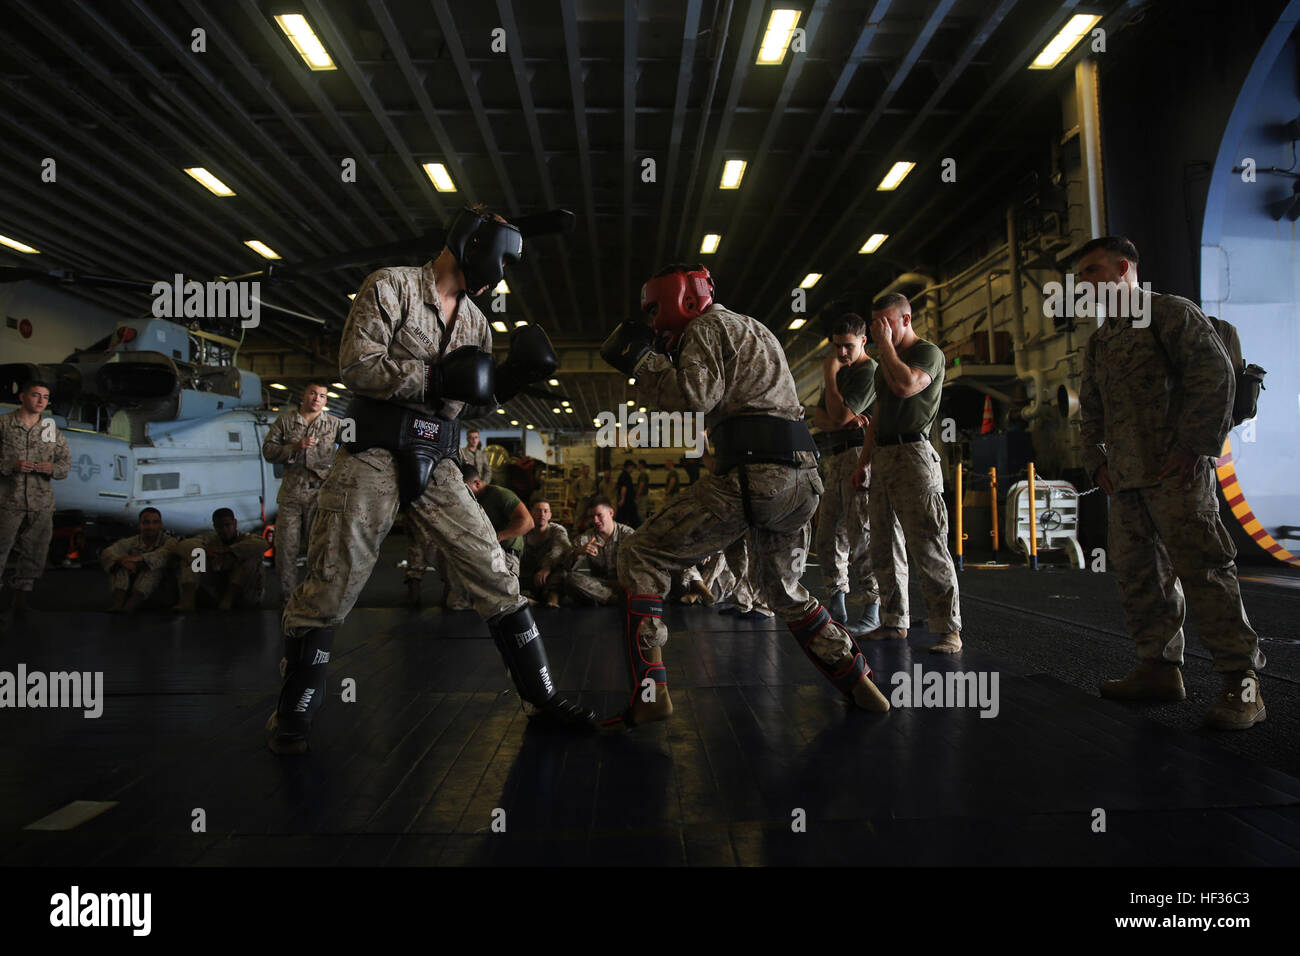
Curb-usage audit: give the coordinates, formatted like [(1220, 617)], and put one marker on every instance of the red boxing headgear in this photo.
[(677, 298)]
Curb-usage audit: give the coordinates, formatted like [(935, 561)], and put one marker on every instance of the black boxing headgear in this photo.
[(481, 245)]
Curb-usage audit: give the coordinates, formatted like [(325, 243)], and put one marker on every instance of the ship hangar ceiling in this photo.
[(529, 107)]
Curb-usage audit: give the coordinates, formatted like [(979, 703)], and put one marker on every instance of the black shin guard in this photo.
[(844, 679), (303, 690), (520, 644), (640, 607)]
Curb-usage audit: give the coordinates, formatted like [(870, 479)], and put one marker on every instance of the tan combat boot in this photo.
[(950, 643), (642, 711), (189, 596), (1150, 680), (119, 601), (702, 593), (1232, 712), (866, 695), (885, 634)]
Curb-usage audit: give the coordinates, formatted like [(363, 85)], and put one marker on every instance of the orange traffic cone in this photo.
[(988, 424)]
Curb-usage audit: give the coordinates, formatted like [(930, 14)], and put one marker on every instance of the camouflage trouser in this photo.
[(709, 516), (906, 501), (1165, 542), (355, 512), (528, 568), (292, 527), (583, 587), (420, 554), (247, 578), (844, 531), (711, 571), (27, 535), (146, 583)]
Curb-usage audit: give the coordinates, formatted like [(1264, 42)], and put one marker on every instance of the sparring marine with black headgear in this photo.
[(417, 354), (698, 356)]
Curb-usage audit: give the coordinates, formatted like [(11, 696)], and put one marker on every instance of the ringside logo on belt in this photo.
[(426, 428)]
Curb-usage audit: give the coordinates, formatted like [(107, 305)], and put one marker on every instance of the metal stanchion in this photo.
[(960, 534), (1033, 521), (993, 492)]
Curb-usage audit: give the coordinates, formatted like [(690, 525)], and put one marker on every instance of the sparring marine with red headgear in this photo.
[(698, 356), (416, 353)]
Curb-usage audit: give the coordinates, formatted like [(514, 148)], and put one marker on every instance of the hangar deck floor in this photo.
[(412, 772)]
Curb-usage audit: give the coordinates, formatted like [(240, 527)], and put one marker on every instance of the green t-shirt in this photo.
[(894, 415), (857, 385), (500, 504)]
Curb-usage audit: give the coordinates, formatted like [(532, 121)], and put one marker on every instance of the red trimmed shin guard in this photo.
[(644, 667), (847, 677)]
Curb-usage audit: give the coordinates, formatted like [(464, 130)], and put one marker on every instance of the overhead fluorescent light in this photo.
[(352, 295), (733, 171), (565, 403), (555, 410), (499, 326), (20, 246), (798, 324), (810, 280), (283, 388), (872, 244), (568, 410), (209, 182), (529, 426), (710, 243), (780, 30), (641, 409), (897, 173), (261, 248), (501, 411), (514, 421), (305, 41), (553, 382), (338, 384), (1075, 29), (501, 288), (521, 323), (630, 403), (631, 381), (441, 178), (332, 394)]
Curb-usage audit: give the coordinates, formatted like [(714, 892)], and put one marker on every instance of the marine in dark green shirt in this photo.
[(509, 516), (849, 374), (915, 414)]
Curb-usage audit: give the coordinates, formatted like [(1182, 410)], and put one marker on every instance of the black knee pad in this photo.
[(520, 643)]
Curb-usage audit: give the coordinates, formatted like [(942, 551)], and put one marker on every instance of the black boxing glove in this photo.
[(464, 375), (627, 345), (531, 358)]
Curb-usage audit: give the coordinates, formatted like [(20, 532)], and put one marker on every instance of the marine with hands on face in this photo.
[(732, 369), (416, 353)]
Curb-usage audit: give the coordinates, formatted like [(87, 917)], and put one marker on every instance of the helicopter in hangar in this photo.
[(159, 413)]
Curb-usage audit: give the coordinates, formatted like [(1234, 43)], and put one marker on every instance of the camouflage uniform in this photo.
[(908, 513), (304, 473), (544, 549), (397, 325), (729, 365), (27, 500), (479, 459), (843, 537), (245, 579), (1144, 393), (153, 574), (598, 583)]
